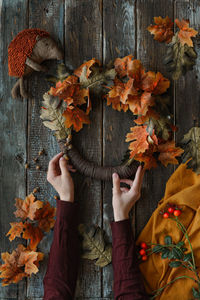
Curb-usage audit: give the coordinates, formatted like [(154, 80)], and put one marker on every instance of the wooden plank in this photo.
[(13, 135), (119, 41), (187, 88), (83, 41), (151, 52), (49, 16)]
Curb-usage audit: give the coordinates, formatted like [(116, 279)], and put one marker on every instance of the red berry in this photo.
[(143, 245), (142, 252), (177, 212), (171, 210), (165, 215), (144, 257)]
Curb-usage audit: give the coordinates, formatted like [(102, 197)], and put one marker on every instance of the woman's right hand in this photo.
[(123, 198)]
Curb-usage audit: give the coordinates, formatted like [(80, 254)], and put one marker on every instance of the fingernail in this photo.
[(115, 175), (62, 158)]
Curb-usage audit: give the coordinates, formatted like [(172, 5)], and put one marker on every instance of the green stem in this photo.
[(158, 291)]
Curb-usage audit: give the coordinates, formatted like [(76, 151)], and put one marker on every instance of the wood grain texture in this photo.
[(47, 15), (13, 124), (187, 88), (83, 41), (85, 29), (151, 52), (118, 41)]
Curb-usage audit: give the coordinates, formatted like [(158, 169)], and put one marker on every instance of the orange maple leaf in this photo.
[(168, 152), (45, 217), (150, 114), (155, 83), (121, 65), (76, 117), (163, 30), (147, 158), (185, 32), (88, 65), (122, 90), (27, 208), (20, 263), (32, 233), (15, 230), (139, 103), (139, 136)]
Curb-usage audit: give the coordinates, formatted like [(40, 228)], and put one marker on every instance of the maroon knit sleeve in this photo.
[(128, 284), (62, 269)]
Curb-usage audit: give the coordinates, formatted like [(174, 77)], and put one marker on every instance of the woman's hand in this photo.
[(124, 198), (59, 177)]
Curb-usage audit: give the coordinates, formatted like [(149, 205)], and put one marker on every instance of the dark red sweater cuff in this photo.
[(121, 229), (68, 211)]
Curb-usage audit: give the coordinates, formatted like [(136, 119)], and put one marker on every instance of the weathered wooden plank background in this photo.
[(85, 29)]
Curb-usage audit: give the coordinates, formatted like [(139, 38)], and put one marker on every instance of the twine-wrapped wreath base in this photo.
[(90, 169), (130, 87)]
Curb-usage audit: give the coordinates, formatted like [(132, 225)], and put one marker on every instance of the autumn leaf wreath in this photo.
[(125, 85)]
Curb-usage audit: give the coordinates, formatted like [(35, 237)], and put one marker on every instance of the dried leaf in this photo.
[(27, 208), (15, 230), (191, 145), (140, 143), (185, 32), (168, 152), (163, 30), (155, 83), (88, 64), (52, 116), (94, 246), (179, 58)]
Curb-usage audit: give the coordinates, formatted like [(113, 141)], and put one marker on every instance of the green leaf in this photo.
[(177, 253), (187, 257), (157, 248), (165, 253), (180, 244), (168, 240), (94, 246), (175, 264), (196, 294)]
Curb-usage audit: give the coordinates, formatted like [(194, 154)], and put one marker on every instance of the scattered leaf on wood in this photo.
[(94, 245), (18, 264), (27, 208), (163, 30), (191, 145)]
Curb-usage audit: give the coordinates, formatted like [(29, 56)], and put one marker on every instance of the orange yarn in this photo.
[(20, 48)]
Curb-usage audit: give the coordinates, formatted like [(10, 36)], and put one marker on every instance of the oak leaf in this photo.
[(155, 83), (191, 145), (147, 158), (27, 208), (179, 58), (168, 152), (139, 136), (140, 103), (75, 117), (163, 30), (185, 32), (51, 114), (94, 246), (88, 64)]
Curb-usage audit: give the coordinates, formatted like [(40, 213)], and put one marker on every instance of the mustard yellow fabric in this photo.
[(183, 189)]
